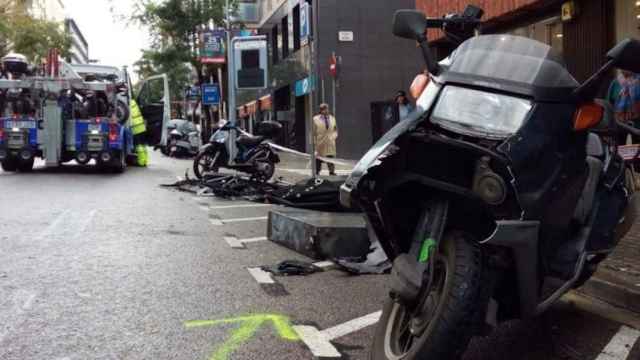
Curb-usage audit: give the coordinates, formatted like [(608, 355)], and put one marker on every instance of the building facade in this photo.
[(79, 52), (373, 65), (581, 30)]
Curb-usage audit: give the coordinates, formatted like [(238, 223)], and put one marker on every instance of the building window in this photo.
[(274, 44), (285, 37), (296, 28), (627, 19)]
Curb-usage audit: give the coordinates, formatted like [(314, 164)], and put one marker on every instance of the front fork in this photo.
[(412, 272)]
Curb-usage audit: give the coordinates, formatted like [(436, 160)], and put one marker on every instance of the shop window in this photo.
[(296, 28), (285, 37)]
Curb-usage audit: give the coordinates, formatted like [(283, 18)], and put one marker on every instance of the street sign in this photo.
[(345, 36), (210, 94), (193, 92), (250, 61), (305, 22), (304, 86), (213, 47)]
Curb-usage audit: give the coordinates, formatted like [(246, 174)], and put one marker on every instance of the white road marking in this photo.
[(227, 221), (620, 345), (352, 326), (29, 303), (204, 208), (239, 206), (49, 230), (236, 243), (261, 276), (317, 342), (85, 223), (216, 222)]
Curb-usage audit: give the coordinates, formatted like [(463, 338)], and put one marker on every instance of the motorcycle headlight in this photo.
[(480, 113), (220, 137)]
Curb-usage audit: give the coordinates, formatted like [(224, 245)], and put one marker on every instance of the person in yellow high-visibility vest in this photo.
[(139, 129)]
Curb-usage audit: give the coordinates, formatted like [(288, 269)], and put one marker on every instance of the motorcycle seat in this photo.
[(247, 140)]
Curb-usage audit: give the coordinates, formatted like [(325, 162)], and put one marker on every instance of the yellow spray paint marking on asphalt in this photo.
[(250, 324)]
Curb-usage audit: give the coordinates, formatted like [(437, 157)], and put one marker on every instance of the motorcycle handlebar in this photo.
[(440, 22)]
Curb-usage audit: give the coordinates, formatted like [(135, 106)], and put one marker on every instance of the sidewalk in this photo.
[(294, 168), (617, 280)]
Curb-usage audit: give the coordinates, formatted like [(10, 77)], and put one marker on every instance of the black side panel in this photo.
[(548, 160)]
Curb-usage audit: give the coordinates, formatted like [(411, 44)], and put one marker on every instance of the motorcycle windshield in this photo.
[(511, 63)]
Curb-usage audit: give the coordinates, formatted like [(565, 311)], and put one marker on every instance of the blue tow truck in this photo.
[(77, 113)]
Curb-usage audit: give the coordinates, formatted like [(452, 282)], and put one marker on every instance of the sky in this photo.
[(111, 42)]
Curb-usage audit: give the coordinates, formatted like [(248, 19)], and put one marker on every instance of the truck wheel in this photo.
[(120, 163), (443, 326), (10, 164), (26, 166)]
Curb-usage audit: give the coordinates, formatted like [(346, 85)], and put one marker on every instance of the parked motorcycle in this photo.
[(502, 192), (248, 153), (184, 139)]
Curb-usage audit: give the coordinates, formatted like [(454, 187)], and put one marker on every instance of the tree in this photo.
[(174, 26), (21, 33)]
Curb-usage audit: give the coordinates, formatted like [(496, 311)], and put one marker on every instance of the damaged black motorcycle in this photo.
[(502, 192)]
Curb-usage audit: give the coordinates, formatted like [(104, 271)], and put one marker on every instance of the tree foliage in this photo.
[(174, 27), (21, 33)]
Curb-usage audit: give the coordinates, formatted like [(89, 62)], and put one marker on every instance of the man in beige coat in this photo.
[(325, 131)]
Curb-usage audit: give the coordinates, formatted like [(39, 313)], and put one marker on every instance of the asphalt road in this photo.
[(103, 266)]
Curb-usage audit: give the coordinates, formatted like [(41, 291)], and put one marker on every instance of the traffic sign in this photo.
[(210, 94), (305, 22)]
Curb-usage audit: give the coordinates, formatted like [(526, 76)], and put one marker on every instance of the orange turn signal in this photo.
[(588, 115), (418, 85)]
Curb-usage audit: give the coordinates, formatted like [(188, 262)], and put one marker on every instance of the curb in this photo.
[(620, 295)]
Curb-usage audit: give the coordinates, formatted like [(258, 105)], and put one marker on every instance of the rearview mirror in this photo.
[(409, 24), (625, 55)]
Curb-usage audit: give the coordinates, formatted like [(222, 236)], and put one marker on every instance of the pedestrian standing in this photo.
[(325, 131), (405, 106), (624, 96)]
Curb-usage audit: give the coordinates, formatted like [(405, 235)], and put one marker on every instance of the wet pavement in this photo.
[(103, 266)]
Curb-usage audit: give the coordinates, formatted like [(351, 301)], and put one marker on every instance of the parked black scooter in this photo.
[(502, 192), (183, 139), (250, 154)]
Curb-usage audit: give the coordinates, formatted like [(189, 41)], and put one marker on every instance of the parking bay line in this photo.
[(236, 243), (319, 342), (620, 345), (239, 206), (220, 222), (261, 276)]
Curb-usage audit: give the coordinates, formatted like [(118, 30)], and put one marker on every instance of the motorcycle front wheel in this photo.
[(207, 163), (441, 326)]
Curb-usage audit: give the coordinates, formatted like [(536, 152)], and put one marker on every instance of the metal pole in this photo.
[(231, 146), (313, 78), (231, 71), (221, 109)]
